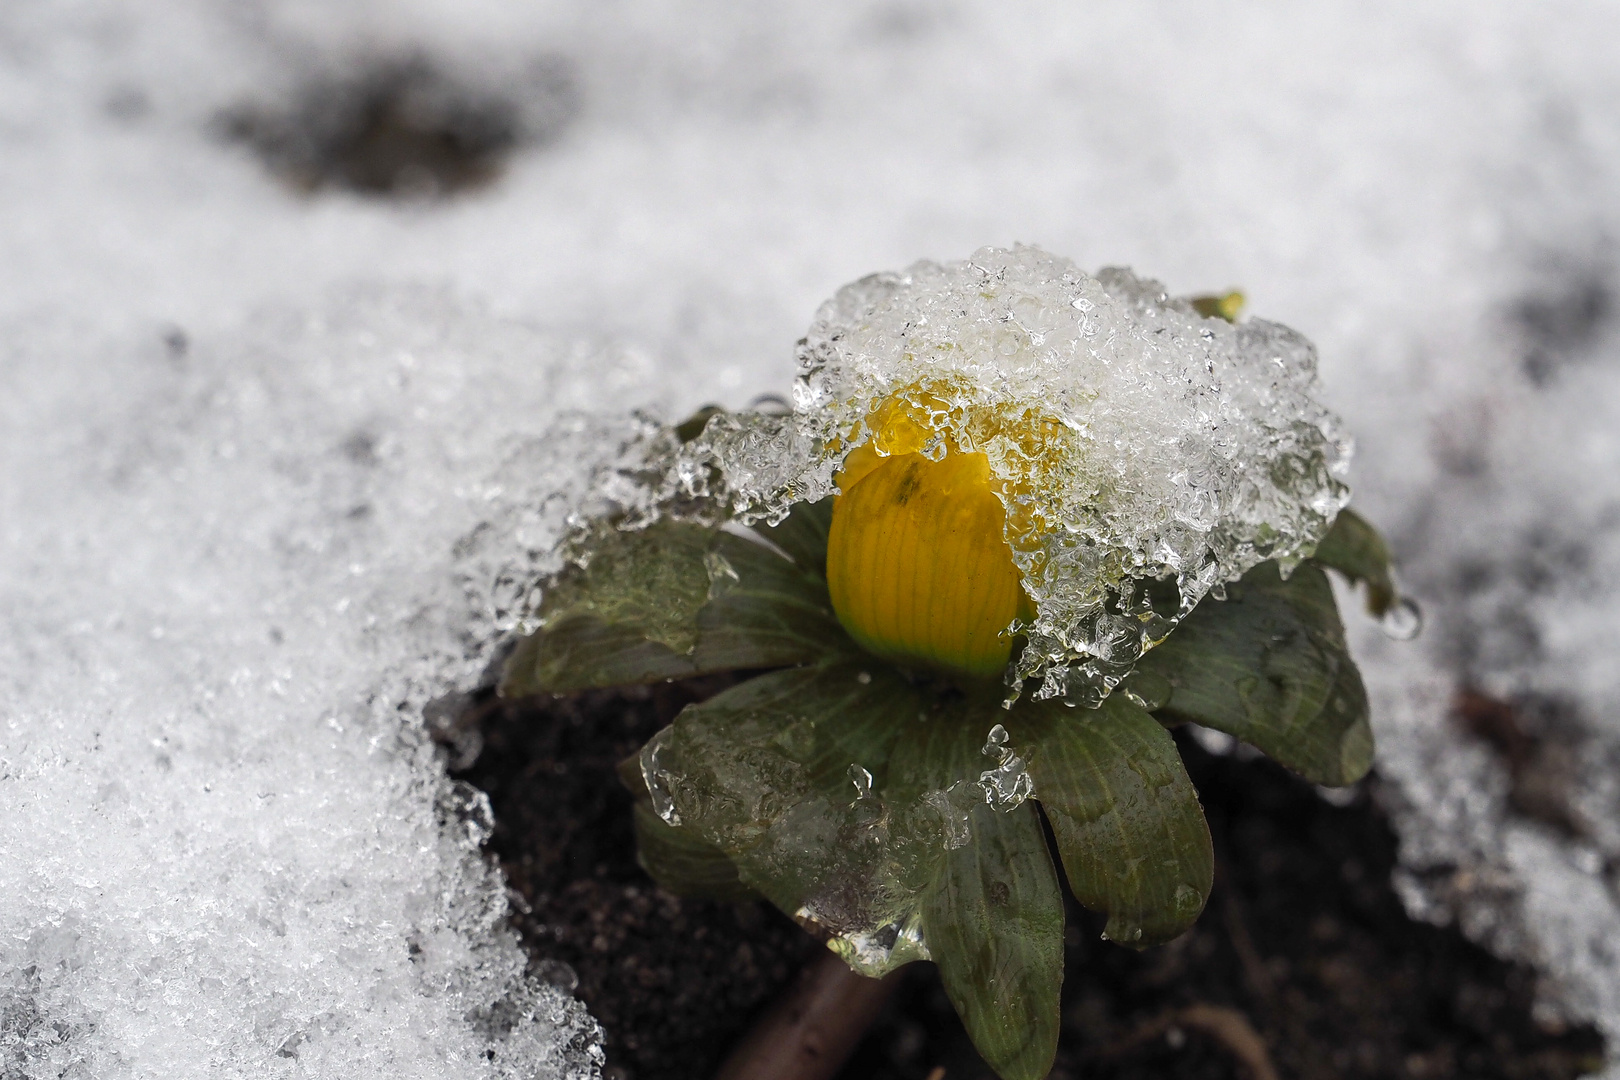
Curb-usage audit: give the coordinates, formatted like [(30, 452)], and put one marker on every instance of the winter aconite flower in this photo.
[(1019, 522), (1129, 437), (918, 565)]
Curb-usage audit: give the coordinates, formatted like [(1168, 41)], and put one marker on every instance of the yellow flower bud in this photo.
[(918, 567)]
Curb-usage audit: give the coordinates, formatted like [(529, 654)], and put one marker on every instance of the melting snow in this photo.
[(253, 516)]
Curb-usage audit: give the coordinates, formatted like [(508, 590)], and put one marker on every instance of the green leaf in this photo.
[(1355, 549), (682, 863), (693, 425), (677, 858), (803, 534), (783, 773), (672, 601), (992, 917), (1129, 829), (851, 798), (1269, 665)]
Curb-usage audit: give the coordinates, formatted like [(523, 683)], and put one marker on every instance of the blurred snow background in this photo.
[(266, 450)]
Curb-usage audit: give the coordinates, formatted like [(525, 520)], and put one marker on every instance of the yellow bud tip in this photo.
[(918, 567), (1227, 306)]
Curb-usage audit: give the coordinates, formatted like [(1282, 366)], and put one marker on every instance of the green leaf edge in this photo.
[(1216, 649), (1358, 551)]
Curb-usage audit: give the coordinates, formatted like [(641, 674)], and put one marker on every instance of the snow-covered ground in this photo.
[(264, 455)]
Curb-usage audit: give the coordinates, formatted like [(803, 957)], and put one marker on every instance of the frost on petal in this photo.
[(1132, 439)]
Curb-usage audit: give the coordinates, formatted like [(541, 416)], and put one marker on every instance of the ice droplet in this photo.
[(1403, 621), (1009, 784), (995, 744), (862, 781), (953, 813), (722, 575), (658, 778), (876, 951)]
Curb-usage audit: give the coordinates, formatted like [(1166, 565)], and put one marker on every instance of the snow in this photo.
[(1130, 438), (204, 376), (224, 852)]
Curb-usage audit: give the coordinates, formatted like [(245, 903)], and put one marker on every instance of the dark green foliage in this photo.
[(682, 862), (803, 535), (882, 806), (992, 913), (669, 602), (1354, 549), (1127, 821), (1269, 666)]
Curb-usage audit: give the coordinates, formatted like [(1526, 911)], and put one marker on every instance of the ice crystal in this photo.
[(1133, 439), (1008, 784)]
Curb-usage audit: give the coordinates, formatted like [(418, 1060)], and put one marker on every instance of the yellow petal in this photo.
[(917, 564)]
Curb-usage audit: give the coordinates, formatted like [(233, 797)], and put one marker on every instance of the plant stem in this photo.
[(813, 1027)]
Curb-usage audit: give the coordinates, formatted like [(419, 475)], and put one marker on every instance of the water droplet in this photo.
[(1188, 901), (1403, 621), (1147, 690), (864, 678)]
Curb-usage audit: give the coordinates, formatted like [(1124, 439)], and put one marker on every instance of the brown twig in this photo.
[(814, 1027), (1228, 1027), (1254, 967)]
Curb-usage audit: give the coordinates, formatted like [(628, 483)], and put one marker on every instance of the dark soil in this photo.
[(672, 981), (398, 128), (1304, 959)]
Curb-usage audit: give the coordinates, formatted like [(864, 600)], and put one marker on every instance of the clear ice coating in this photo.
[(1008, 784), (658, 779), (1132, 438), (953, 806), (862, 781)]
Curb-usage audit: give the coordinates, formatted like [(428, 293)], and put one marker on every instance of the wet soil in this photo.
[(401, 127), (1304, 963)]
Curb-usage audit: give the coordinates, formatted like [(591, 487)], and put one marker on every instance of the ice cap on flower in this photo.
[(1130, 438)]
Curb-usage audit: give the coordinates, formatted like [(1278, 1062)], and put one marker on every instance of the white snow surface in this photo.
[(271, 464)]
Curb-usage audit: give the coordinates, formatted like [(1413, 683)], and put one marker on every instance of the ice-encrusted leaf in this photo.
[(1355, 549), (803, 534), (1269, 665), (992, 918), (1129, 828), (672, 601), (784, 774), (682, 863)]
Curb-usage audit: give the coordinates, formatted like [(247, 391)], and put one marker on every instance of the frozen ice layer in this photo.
[(1128, 437)]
